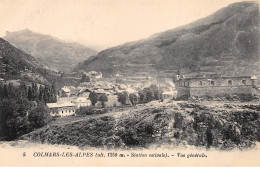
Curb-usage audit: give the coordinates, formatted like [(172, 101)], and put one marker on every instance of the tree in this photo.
[(149, 95), (49, 94), (103, 98), (38, 117), (53, 94), (93, 98), (209, 137), (10, 91), (122, 97), (30, 96), (133, 98), (22, 90), (85, 110), (14, 121), (142, 98), (85, 78), (3, 91), (157, 92), (35, 93), (41, 94)]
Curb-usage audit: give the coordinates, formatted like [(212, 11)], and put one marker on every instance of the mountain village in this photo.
[(71, 98), (196, 85)]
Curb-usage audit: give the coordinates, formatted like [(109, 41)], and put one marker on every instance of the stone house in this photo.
[(214, 85), (61, 109)]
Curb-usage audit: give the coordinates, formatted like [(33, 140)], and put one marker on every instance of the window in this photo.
[(200, 83), (69, 111), (244, 82), (229, 82), (212, 83), (61, 111)]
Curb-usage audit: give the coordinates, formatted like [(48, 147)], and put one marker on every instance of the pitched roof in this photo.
[(60, 105), (100, 91), (66, 89)]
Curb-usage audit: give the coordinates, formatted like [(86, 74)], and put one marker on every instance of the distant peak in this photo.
[(24, 31)]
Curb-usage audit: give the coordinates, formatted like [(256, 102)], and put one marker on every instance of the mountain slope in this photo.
[(15, 64), (229, 35), (53, 52)]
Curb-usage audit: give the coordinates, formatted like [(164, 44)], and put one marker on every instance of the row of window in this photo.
[(64, 111), (67, 111), (213, 83), (230, 82)]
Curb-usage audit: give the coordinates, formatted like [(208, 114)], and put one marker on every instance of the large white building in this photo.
[(82, 102), (61, 109)]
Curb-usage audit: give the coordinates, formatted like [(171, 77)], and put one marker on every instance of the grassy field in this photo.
[(219, 125)]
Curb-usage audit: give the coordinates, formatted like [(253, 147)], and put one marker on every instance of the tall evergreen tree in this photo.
[(5, 91), (1, 90), (34, 91), (41, 94), (30, 96), (22, 90), (53, 94)]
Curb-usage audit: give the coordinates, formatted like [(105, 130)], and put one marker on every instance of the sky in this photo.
[(103, 23)]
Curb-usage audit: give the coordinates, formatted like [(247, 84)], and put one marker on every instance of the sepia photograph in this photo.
[(130, 83)]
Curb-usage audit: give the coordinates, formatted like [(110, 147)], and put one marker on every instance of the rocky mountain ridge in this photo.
[(57, 54)]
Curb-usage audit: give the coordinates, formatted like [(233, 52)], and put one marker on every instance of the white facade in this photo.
[(82, 101), (61, 109)]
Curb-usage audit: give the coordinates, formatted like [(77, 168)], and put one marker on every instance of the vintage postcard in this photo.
[(129, 83)]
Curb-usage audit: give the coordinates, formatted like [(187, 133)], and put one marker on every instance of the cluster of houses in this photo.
[(71, 98)]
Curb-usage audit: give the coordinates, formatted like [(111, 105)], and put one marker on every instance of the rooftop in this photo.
[(60, 105), (209, 76)]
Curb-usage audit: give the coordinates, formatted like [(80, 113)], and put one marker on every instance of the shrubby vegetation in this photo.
[(93, 98), (144, 96), (133, 98), (85, 110), (182, 125), (122, 97), (103, 98), (149, 94), (93, 132)]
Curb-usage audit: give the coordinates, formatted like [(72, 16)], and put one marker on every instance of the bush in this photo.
[(133, 98), (86, 110), (122, 97), (38, 117), (103, 98)]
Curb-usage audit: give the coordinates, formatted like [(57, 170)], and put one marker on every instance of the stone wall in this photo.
[(214, 87), (219, 82), (220, 90)]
